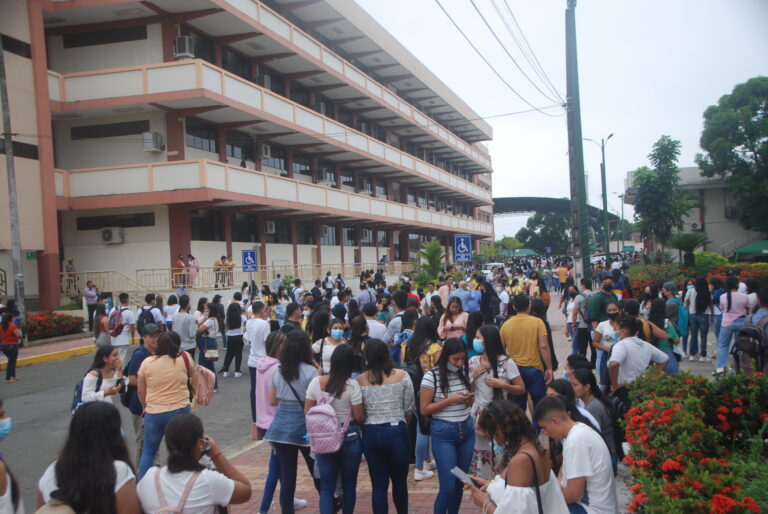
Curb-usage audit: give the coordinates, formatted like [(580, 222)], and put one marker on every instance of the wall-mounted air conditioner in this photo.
[(265, 151), (184, 48), (269, 227), (153, 142), (696, 226), (112, 235)]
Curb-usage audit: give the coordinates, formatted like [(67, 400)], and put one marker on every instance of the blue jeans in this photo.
[(387, 451), (699, 325), (534, 385), (422, 447), (576, 508), (154, 429), (452, 445), (673, 366), (718, 325), (270, 484), (602, 368), (346, 462), (724, 341), (207, 343), (12, 352)]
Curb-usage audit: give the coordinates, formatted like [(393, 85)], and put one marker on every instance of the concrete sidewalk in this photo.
[(49, 352)]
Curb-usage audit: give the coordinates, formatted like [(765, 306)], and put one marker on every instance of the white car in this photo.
[(488, 268)]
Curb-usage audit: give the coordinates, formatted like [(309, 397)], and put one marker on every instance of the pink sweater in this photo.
[(264, 411)]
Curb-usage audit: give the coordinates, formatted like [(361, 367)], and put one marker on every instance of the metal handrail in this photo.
[(106, 280), (729, 247), (3, 285)]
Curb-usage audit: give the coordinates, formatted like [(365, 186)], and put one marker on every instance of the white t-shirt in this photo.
[(89, 388), (256, 332), (376, 330), (608, 335), (47, 483), (634, 356), (211, 488), (236, 331), (213, 327), (569, 310), (156, 314), (328, 349), (169, 311), (125, 336), (504, 297), (352, 395), (586, 455)]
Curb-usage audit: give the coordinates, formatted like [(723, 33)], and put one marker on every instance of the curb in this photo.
[(51, 357), (58, 339)]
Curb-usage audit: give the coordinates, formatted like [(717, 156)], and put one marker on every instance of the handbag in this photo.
[(211, 353), (425, 420)]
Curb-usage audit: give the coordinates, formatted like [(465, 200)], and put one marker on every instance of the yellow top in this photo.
[(166, 383), (520, 335)]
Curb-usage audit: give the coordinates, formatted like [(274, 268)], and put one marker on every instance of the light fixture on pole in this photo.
[(621, 197), (606, 239)]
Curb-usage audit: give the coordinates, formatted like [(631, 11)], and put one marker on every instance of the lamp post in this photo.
[(606, 241), (621, 197)]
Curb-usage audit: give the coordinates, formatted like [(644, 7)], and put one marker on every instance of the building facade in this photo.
[(301, 129)]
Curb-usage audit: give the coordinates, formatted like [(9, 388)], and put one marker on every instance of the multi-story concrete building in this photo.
[(149, 129)]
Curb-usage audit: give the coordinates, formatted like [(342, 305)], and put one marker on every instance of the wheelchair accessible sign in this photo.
[(250, 263), (462, 248)]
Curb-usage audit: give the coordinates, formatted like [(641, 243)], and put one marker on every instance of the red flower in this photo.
[(738, 411), (635, 488), (697, 485), (671, 465)]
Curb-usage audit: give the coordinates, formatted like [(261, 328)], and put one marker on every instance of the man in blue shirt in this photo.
[(151, 333), (470, 300)]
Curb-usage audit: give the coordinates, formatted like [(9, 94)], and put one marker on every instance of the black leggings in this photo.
[(288, 456), (234, 349), (584, 339)]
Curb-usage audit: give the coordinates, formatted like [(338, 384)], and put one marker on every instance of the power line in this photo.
[(537, 67), (480, 54), (503, 47)]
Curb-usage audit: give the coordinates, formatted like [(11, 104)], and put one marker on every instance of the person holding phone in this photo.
[(106, 363), (185, 484), (446, 395)]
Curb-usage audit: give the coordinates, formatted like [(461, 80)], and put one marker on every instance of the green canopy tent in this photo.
[(522, 252), (753, 248)]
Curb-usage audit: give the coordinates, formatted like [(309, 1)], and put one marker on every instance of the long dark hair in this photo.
[(15, 496), (358, 325), (353, 309), (7, 318), (731, 283), (424, 335), (296, 349), (342, 361), (474, 321), (703, 297), (658, 313), (494, 348), (378, 361), (452, 346), (319, 322), (85, 469), (587, 378), (166, 346), (507, 417), (448, 312), (102, 353), (234, 313), (182, 433), (201, 303)]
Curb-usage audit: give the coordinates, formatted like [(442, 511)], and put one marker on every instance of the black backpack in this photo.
[(77, 396), (145, 318), (749, 350)]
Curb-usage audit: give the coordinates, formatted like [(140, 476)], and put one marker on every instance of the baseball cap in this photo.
[(150, 328), (670, 286)]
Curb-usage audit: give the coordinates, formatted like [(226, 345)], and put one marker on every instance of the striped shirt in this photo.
[(456, 412)]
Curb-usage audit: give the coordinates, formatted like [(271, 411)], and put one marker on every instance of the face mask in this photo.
[(336, 333), (608, 288), (613, 315), (565, 376), (452, 368), (5, 428), (478, 345), (498, 449), (690, 286), (305, 313)]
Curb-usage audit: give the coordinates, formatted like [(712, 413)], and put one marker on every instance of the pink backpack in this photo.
[(201, 382), (326, 435)]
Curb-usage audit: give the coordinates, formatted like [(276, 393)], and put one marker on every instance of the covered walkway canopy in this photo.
[(753, 248)]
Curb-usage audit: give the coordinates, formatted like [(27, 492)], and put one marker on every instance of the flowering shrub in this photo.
[(696, 445), (50, 324), (641, 276)]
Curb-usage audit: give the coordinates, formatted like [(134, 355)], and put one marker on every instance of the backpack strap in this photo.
[(535, 482), (184, 495)]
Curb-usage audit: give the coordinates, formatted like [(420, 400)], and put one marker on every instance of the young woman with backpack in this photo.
[(184, 484), (100, 325), (105, 377), (494, 374), (735, 307), (344, 395)]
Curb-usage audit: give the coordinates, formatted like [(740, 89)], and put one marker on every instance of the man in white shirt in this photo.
[(276, 283), (587, 474), (122, 340), (426, 310), (376, 329), (504, 298), (256, 333), (630, 357)]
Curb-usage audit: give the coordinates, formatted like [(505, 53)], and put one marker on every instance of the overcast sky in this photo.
[(646, 68)]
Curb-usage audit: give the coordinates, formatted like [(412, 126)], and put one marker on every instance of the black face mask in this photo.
[(607, 288), (613, 315)]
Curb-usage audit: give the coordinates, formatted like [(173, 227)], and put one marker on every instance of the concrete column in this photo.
[(313, 167), (405, 248), (226, 225), (338, 176), (317, 241), (221, 136), (340, 240), (179, 231), (289, 162), (174, 130), (169, 32), (292, 228)]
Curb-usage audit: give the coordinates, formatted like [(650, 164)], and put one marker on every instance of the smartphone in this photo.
[(461, 475), (207, 447)]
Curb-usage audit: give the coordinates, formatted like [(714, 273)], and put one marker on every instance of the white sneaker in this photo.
[(238, 374), (692, 358), (422, 474), (704, 359), (299, 504), (225, 374), (430, 465)]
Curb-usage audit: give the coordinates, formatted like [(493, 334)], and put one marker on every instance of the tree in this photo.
[(546, 230), (660, 203), (507, 244), (687, 244), (735, 137), (432, 253)]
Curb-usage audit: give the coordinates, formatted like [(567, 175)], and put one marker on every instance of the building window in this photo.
[(206, 225), (324, 107), (381, 238), (365, 184), (282, 232), (326, 170), (366, 237), (328, 235), (299, 94), (423, 200), (305, 233), (276, 160), (141, 219), (125, 128), (347, 179), (203, 46), (271, 80), (239, 145), (410, 198), (302, 165), (235, 63), (349, 236), (345, 116), (432, 201), (244, 227), (105, 37), (381, 189), (22, 150), (201, 135)]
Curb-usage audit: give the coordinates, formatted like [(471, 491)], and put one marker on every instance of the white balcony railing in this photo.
[(258, 187)]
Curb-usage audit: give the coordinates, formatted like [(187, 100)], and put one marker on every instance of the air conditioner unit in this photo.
[(695, 226), (112, 235), (184, 48), (265, 151), (153, 142), (323, 230), (365, 234), (269, 227), (730, 212)]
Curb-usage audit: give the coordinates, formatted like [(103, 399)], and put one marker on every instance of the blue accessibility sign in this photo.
[(462, 248), (250, 262)]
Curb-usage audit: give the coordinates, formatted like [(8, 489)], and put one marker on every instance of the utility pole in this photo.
[(18, 272), (605, 199), (579, 230), (621, 197)]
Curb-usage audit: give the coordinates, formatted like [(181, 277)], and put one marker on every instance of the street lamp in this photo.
[(601, 144), (621, 197)]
